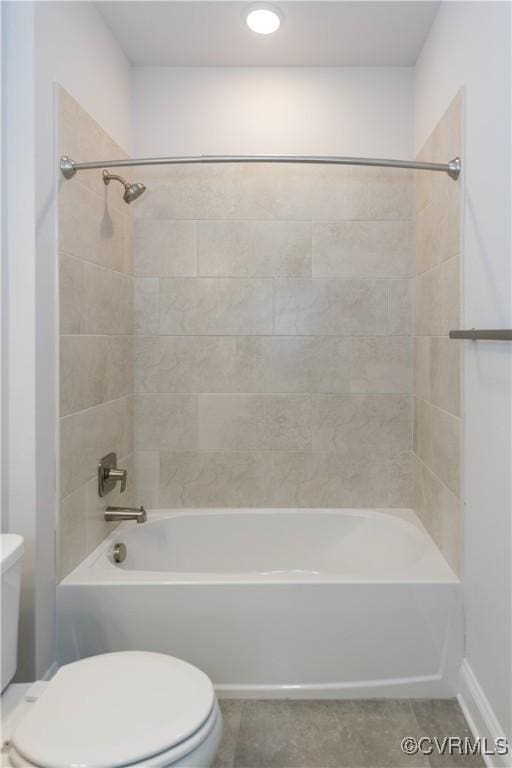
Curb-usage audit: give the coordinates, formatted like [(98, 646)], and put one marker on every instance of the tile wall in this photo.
[(273, 336), (275, 339), (96, 335), (437, 359)]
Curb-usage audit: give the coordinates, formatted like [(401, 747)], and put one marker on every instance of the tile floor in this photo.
[(337, 734)]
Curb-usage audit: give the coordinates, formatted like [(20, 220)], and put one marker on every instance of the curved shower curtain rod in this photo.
[(68, 167)]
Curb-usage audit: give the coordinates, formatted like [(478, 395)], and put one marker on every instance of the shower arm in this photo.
[(108, 177), (453, 168)]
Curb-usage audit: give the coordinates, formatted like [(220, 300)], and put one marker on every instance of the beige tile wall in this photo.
[(96, 341), (273, 348), (437, 359), (273, 312)]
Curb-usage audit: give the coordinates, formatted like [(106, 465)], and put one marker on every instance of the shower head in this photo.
[(131, 191)]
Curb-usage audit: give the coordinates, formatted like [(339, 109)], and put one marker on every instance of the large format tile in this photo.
[(94, 369), (71, 534), (165, 248), (400, 480), (213, 479), (294, 191), (331, 307), (147, 474), (87, 436), (90, 227), (400, 307), (450, 295), (146, 298), (231, 715), (108, 301), (445, 373), (437, 231), (255, 422), (291, 734), (185, 364), (378, 727), (442, 718), (362, 249), (437, 360), (427, 239), (96, 323), (83, 366), (216, 306), (292, 364), (437, 436), (187, 192), (328, 479), (381, 364), (165, 422), (254, 248), (71, 294), (82, 138), (421, 366), (428, 303), (439, 510), (445, 433), (377, 193), (361, 425), (325, 734)]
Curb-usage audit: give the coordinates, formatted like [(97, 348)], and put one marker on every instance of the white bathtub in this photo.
[(321, 603)]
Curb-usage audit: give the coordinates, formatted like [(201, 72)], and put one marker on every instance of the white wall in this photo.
[(75, 48), (289, 110), (69, 43), (469, 45)]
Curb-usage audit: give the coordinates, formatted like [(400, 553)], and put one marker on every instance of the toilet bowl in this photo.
[(120, 709), (133, 708)]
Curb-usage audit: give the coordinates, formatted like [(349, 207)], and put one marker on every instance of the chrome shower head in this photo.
[(131, 191)]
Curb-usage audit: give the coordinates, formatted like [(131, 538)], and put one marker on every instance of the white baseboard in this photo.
[(480, 715)]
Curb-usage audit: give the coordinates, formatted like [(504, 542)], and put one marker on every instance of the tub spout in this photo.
[(115, 514)]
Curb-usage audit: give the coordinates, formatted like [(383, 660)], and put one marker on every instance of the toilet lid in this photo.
[(111, 710)]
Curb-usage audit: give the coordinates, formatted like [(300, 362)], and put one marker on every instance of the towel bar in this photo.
[(503, 334)]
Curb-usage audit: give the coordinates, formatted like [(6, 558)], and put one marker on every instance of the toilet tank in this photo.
[(11, 550)]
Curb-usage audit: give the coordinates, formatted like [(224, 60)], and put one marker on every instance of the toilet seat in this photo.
[(115, 710), (211, 730)]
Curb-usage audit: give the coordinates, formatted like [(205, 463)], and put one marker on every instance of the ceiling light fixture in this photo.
[(263, 18)]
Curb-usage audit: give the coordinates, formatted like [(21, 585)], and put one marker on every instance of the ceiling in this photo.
[(314, 33)]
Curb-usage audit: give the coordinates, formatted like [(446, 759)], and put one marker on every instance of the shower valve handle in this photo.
[(117, 475), (109, 474)]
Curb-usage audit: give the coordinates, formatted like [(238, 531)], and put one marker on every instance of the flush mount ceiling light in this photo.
[(263, 18)]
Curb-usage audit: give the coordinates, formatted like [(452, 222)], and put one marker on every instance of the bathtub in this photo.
[(293, 603)]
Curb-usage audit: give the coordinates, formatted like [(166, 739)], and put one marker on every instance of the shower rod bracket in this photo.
[(67, 167), (453, 168)]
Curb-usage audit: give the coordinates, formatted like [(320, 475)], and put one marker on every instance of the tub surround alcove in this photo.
[(245, 335), (254, 349)]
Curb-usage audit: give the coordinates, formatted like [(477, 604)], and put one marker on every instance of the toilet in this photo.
[(131, 708)]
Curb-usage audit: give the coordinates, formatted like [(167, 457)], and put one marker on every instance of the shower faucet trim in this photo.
[(109, 474)]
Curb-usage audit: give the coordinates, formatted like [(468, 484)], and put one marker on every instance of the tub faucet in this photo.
[(115, 514)]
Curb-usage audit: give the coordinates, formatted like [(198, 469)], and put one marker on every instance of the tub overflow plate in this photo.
[(119, 553)]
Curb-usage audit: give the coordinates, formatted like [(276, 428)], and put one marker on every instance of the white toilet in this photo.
[(131, 708)]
